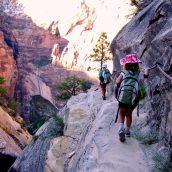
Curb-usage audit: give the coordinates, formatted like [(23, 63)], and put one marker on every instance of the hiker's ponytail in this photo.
[(132, 66)]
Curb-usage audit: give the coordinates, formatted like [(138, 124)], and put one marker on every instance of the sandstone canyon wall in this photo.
[(13, 138), (8, 68), (148, 34), (89, 20), (33, 44), (86, 146)]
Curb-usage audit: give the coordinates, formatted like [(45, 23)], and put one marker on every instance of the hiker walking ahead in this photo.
[(104, 77), (128, 91)]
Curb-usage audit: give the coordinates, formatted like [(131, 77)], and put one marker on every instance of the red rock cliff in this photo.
[(7, 66)]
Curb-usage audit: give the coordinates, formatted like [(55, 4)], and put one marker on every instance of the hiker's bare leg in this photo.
[(129, 118), (122, 113), (121, 120), (103, 88), (128, 121), (121, 117)]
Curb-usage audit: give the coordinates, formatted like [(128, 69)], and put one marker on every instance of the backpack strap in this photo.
[(138, 109), (117, 114)]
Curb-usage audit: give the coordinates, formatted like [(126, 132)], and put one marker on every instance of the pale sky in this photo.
[(111, 14), (45, 11)]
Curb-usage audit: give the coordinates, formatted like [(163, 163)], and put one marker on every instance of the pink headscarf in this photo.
[(130, 58)]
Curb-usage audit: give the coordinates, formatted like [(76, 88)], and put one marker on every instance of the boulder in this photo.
[(13, 138)]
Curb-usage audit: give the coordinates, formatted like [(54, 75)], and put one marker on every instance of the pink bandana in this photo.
[(130, 58)]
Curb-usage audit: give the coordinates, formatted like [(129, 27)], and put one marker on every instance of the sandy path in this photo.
[(103, 150)]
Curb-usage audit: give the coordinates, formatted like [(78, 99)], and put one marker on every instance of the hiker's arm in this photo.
[(101, 79), (100, 73), (146, 72), (110, 76), (119, 80), (100, 76)]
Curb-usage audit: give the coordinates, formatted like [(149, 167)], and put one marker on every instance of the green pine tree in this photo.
[(102, 51), (71, 86)]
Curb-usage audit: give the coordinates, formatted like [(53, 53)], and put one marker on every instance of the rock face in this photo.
[(8, 68), (12, 128), (90, 19), (34, 155), (32, 46), (45, 124), (90, 142), (31, 84), (13, 138), (39, 112), (148, 34)]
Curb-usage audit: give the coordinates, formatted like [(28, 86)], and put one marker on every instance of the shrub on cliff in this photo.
[(71, 86), (139, 5), (10, 103), (3, 90), (14, 105)]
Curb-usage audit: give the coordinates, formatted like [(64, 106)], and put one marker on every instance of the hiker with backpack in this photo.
[(105, 78), (128, 84)]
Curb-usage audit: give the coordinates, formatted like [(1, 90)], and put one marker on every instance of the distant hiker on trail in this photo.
[(128, 83), (105, 78)]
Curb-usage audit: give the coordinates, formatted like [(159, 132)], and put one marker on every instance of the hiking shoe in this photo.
[(127, 133), (122, 135), (104, 97)]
